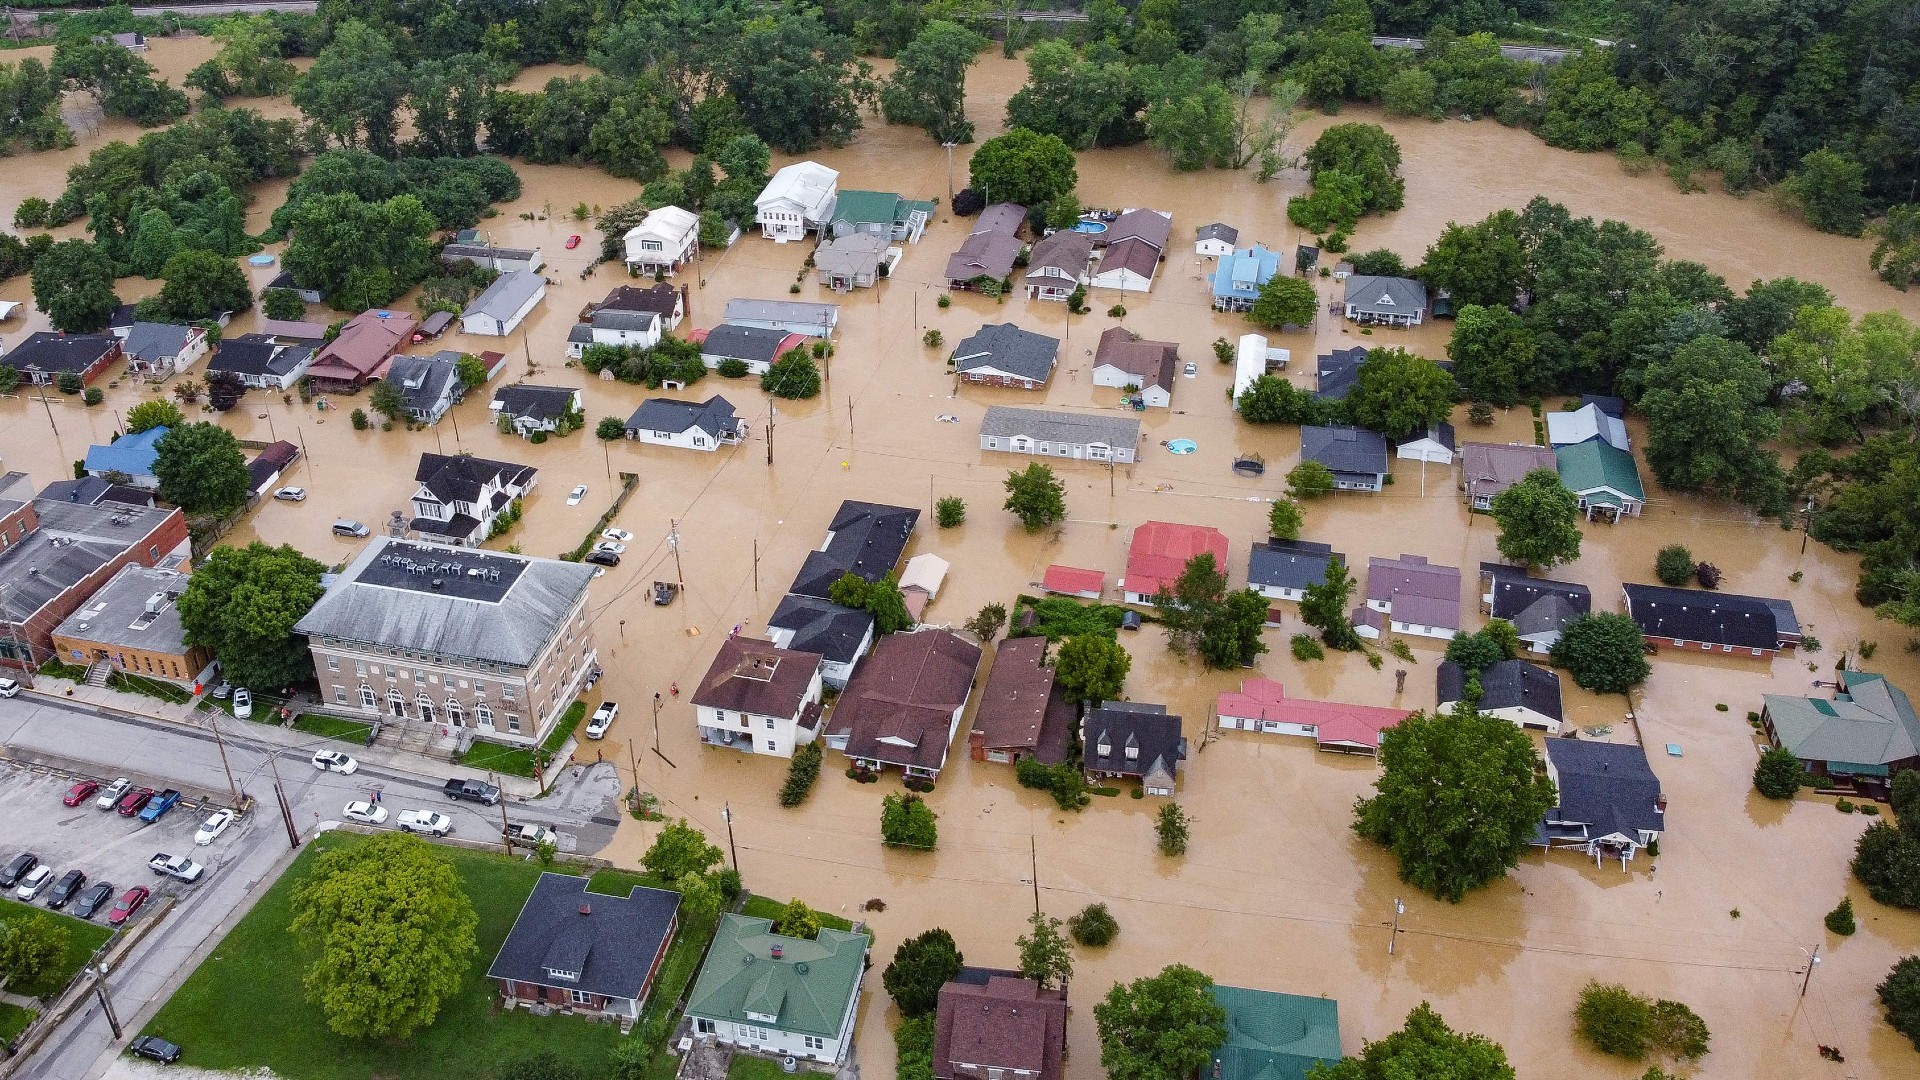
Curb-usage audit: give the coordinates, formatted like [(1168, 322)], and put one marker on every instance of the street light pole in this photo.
[(1399, 909)]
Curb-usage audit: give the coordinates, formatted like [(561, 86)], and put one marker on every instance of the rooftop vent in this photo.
[(586, 909)]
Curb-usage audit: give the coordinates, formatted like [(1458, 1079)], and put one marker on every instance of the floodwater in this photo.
[(1275, 891)]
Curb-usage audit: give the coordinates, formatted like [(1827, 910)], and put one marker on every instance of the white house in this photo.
[(1215, 241), (663, 241), (456, 498), (1135, 244), (1525, 695), (799, 199), (1611, 805), (691, 425), (499, 311), (1434, 444), (841, 635), (1124, 359), (526, 408), (793, 316), (162, 350), (1087, 436), (504, 260), (1252, 359), (780, 996), (759, 698)]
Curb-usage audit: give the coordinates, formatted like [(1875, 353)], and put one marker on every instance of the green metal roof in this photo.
[(1274, 1036), (806, 990), (871, 208), (1591, 467), (1868, 726)]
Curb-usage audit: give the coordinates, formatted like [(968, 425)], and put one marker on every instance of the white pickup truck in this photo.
[(426, 821), (527, 834), (178, 866)]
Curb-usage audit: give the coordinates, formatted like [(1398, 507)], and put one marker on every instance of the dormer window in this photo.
[(1133, 752), (1106, 748), (563, 976)]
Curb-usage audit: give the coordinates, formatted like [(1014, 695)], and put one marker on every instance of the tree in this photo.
[(200, 286), (1614, 1020), (794, 376), (797, 920), (1770, 308), (1170, 829), (1324, 607), (1086, 103), (1273, 400), (1474, 653), (1367, 153), (1900, 996), (928, 88), (359, 253), (1604, 652), (283, 304), (1230, 634), (1830, 192), (1840, 919), (680, 849), (387, 400), (913, 1048), (1284, 519), (1036, 497), (802, 772), (699, 895), (355, 87), (1493, 354), (987, 621), (1538, 520), (1588, 108), (907, 821), (1778, 773), (243, 603), (201, 469), (472, 370), (1398, 393), (30, 946), (1309, 480), (1335, 204), (1483, 264), (391, 930), (1160, 1027), (1091, 668), (1094, 926), (1674, 565), (950, 511), (1285, 301), (797, 84), (1896, 249), (921, 966), (122, 80), (1023, 167), (1708, 421), (1045, 956), (224, 390), (1425, 1046), (73, 284), (1904, 797), (1886, 860), (1458, 799), (1380, 262), (153, 414), (1185, 605)]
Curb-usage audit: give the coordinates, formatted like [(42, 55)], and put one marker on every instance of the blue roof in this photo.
[(131, 454), (1242, 273)]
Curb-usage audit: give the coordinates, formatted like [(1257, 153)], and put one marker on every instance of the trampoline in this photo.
[(1182, 446)]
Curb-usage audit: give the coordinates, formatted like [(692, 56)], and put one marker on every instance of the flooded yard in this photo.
[(1275, 891)]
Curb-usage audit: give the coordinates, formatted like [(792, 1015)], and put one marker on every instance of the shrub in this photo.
[(1307, 647), (1840, 919), (1777, 776), (945, 301), (797, 920), (1171, 829), (68, 382), (950, 511), (1095, 926), (610, 428), (93, 395), (1223, 350), (1900, 996), (1844, 805), (1064, 782), (801, 774), (1674, 565), (732, 368), (1117, 311), (359, 418), (1614, 1020), (933, 338), (1480, 413)]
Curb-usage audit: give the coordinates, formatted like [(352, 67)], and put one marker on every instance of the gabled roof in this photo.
[(1066, 250), (998, 1020), (1289, 564), (1148, 226), (1217, 231), (857, 207), (1132, 253), (714, 416), (1337, 372), (1491, 468), (151, 341), (1609, 787), (1606, 403), (487, 253), (1717, 618), (1440, 434), (854, 254), (1274, 1036), (1006, 421), (1018, 700), (1418, 591), (753, 343), (1869, 721), (900, 704), (988, 253), (133, 454), (926, 572), (660, 298), (1350, 450), (1068, 579), (670, 222), (1160, 551), (462, 477), (1002, 217), (1508, 684), (1006, 347), (534, 402), (822, 626), (507, 295), (755, 676), (808, 183), (1584, 424), (424, 381), (367, 339), (865, 539), (628, 319), (1243, 272), (742, 309), (294, 330), (1152, 732), (608, 942), (1386, 295), (1540, 603), (1589, 468), (808, 988), (1333, 721), (258, 354), (48, 350), (1151, 363)]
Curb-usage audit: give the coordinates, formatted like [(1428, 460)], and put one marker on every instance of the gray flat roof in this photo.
[(135, 609)]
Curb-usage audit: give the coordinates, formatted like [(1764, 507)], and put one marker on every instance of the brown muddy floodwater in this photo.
[(1275, 891)]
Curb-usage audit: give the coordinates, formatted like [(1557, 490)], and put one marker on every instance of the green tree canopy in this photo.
[(200, 286), (1493, 354), (30, 946), (921, 966), (1424, 1047), (1091, 668), (1900, 996), (1539, 521), (928, 88), (1024, 167), (1324, 607), (907, 821), (1036, 497), (73, 284), (1159, 1027), (681, 849), (1778, 773), (1604, 652), (153, 414), (1367, 153), (1285, 301), (201, 469), (1309, 480), (797, 920), (1483, 264), (1830, 188), (1708, 422), (355, 88), (1398, 393), (794, 376), (243, 603), (1045, 955), (1285, 519), (358, 253)]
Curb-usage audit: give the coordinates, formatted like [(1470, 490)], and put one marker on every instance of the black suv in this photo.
[(66, 889), (603, 558), (18, 868)]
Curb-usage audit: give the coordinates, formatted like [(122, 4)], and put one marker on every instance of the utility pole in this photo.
[(949, 148), (1399, 909), (232, 787), (1033, 856), (673, 544), (656, 724), (769, 433), (303, 448), (1806, 523), (506, 836), (453, 416), (1811, 964), (756, 579), (106, 1002), (280, 794), (608, 454), (726, 814), (849, 418)]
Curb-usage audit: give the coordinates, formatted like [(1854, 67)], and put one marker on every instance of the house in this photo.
[(1606, 403), (131, 456), (1215, 241), (498, 259), (799, 199), (691, 425), (1704, 621), (1419, 597), (1585, 424), (811, 624), (430, 385), (131, 625), (1159, 553), (1001, 217), (792, 316), (902, 706), (1434, 444), (449, 637), (1134, 739), (663, 241), (1123, 359), (759, 698), (1021, 713), (1002, 354), (162, 350), (854, 261), (1135, 242), (884, 214), (525, 408), (363, 345), (284, 280), (591, 953), (1335, 373), (920, 581), (264, 471), (756, 346), (1072, 581), (1866, 732), (133, 41), (995, 1025), (616, 326), (1384, 301), (500, 309), (863, 539), (293, 331), (1610, 805), (984, 256), (48, 354), (762, 992), (456, 499), (1273, 1036), (1538, 608), (1263, 705), (1523, 694), (1080, 436), (1282, 569), (1057, 265), (1487, 469), (85, 491), (1356, 457), (1238, 277), (659, 298), (1605, 480), (262, 361), (1252, 359)]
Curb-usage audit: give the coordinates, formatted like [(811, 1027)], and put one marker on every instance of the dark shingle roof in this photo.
[(1006, 347), (867, 539), (899, 706), (755, 676), (1119, 724), (714, 415), (610, 941), (1290, 564), (1506, 685), (535, 402), (662, 299), (48, 350), (1745, 622), (756, 343), (1337, 372), (1607, 786), (1348, 450), (999, 1020), (822, 626), (459, 478), (1534, 605)]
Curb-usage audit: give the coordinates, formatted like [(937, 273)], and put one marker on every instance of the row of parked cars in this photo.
[(29, 878)]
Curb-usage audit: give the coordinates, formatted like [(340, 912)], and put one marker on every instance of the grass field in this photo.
[(748, 1067), (13, 1021), (518, 760), (83, 939), (766, 907), (333, 727)]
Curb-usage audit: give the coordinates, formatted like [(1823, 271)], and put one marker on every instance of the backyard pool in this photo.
[(1095, 227), (1182, 446)]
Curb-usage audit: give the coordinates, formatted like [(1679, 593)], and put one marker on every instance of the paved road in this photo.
[(189, 758)]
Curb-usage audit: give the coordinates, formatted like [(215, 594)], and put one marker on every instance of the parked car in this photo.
[(1192, 370), (110, 795), (602, 719), (473, 791), (176, 866), (348, 527), (573, 241), (426, 821), (242, 703), (602, 558), (66, 889), (215, 824), (128, 903), (93, 899), (222, 690), (158, 806), (33, 883), (617, 535), (611, 545), (334, 761), (579, 492), (155, 1048), (18, 868), (135, 801), (291, 494), (79, 792), (9, 688), (527, 834), (365, 813)]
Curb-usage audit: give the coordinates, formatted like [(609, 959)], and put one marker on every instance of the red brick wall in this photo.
[(38, 630), (15, 526), (1664, 643)]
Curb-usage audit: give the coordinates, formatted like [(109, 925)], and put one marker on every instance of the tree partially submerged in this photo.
[(1424, 1047), (1159, 1027)]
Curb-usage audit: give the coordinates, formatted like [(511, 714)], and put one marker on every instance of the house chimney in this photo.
[(586, 909), (777, 949)]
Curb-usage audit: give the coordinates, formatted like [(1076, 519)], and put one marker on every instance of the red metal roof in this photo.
[(1161, 549), (1073, 581), (1336, 722)]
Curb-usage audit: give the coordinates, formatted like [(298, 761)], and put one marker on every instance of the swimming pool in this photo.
[(260, 260), (1182, 446), (1094, 227)]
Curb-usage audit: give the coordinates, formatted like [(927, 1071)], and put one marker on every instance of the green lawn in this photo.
[(766, 907), (83, 940), (172, 693), (333, 727), (13, 1021), (518, 760), (748, 1067)]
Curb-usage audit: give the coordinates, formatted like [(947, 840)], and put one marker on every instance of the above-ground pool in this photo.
[(1182, 446), (1090, 226), (260, 260)]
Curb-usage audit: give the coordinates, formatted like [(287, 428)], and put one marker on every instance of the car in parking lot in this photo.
[(178, 866), (33, 883), (602, 719), (110, 795), (215, 824), (242, 703), (620, 536), (93, 899), (135, 801), (291, 494), (66, 889), (21, 865), (426, 821), (78, 793), (9, 688), (128, 903), (334, 761), (158, 806), (365, 813), (222, 690), (155, 1049)]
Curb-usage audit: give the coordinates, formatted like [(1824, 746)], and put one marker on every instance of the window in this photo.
[(479, 688), (769, 723), (339, 694), (483, 715), (1133, 753), (772, 746), (706, 1026), (366, 696), (513, 722), (360, 669), (506, 693), (333, 663), (815, 1042), (1678, 643), (580, 997)]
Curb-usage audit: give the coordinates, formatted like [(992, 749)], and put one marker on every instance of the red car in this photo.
[(135, 801), (128, 903), (573, 241), (80, 792)]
